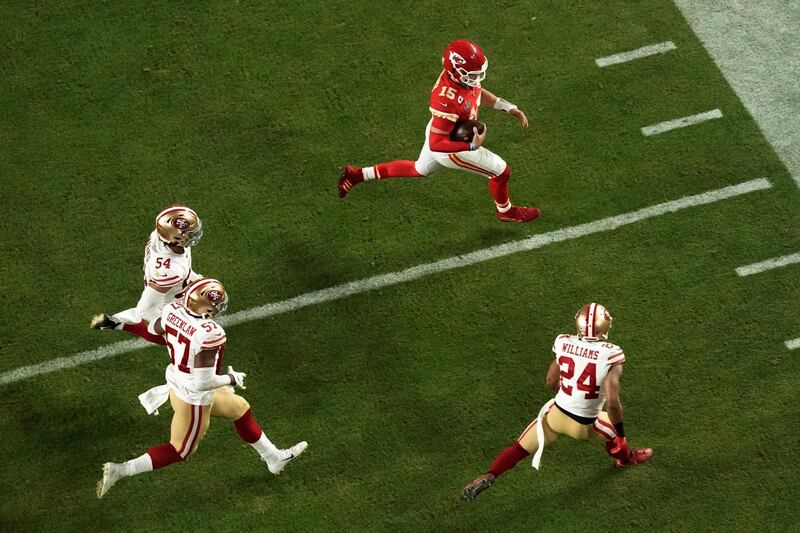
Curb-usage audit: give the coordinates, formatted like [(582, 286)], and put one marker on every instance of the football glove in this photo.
[(238, 377)]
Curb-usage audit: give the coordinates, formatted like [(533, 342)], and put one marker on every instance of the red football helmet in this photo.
[(465, 63)]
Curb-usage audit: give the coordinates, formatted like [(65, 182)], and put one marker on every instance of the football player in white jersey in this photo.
[(167, 271), (585, 375), (195, 388)]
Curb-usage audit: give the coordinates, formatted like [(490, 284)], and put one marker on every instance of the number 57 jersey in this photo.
[(187, 335), (584, 364)]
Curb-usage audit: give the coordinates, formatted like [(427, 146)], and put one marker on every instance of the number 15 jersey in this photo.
[(584, 364)]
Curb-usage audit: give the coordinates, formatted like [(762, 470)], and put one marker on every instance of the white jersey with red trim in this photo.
[(187, 335), (166, 269), (584, 364)]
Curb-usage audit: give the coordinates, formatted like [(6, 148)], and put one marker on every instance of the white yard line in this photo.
[(393, 278), (644, 51), (669, 125), (793, 344), (769, 264)]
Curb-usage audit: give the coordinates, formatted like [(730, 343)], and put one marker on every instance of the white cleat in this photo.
[(277, 464), (112, 472)]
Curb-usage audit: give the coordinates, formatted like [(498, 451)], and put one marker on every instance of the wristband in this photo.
[(504, 105), (471, 147), (620, 429)]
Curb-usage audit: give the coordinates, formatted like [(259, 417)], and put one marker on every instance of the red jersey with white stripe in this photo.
[(187, 335), (452, 101), (166, 269), (584, 364)]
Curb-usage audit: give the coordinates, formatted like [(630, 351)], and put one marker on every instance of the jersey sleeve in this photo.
[(615, 356), (555, 343), (210, 340), (163, 276)]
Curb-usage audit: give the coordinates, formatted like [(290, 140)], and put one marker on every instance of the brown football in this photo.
[(462, 131)]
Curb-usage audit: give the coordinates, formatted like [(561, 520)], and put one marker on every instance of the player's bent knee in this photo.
[(242, 408), (504, 176), (422, 169)]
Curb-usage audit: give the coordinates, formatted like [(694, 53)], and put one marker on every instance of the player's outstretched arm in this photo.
[(504, 105)]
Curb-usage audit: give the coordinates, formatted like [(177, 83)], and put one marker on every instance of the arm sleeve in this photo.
[(206, 379), (555, 344), (616, 358), (150, 304), (212, 339), (439, 142)]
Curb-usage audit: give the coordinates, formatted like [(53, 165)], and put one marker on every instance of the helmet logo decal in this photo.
[(180, 223), (456, 59), (214, 295)]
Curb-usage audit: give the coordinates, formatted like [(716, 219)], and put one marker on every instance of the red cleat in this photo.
[(351, 176), (639, 455), (518, 214)]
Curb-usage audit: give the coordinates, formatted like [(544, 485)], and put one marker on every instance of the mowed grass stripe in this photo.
[(394, 278)]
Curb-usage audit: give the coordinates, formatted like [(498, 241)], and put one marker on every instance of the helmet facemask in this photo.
[(192, 236), (469, 78)]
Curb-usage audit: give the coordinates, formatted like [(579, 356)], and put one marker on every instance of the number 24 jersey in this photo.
[(583, 365)]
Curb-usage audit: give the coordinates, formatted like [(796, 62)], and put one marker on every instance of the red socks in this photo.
[(247, 427), (508, 459), (498, 186), (140, 330), (396, 169), (163, 455)]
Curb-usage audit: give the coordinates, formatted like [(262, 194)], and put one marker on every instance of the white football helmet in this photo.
[(593, 321)]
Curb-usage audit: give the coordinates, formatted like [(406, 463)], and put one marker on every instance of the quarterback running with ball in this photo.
[(167, 271), (195, 388), (455, 98), (585, 375)]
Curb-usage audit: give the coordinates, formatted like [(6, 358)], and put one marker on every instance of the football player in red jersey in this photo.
[(456, 96), (585, 375)]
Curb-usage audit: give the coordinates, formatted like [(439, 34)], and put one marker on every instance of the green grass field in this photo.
[(245, 110)]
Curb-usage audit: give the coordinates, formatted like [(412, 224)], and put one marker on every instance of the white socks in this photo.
[(141, 464), (369, 173), (503, 208), (265, 448)]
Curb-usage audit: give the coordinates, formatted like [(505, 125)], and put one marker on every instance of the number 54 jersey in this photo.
[(584, 364), (187, 335)]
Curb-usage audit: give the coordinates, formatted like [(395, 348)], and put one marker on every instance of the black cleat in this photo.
[(104, 322), (476, 486)]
